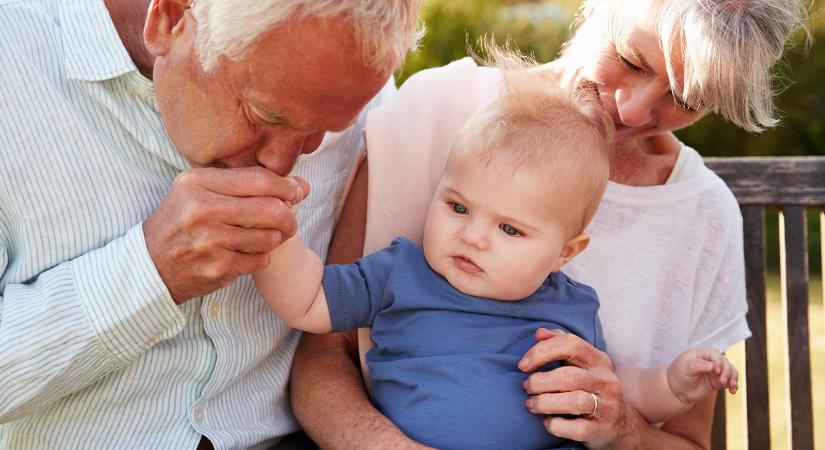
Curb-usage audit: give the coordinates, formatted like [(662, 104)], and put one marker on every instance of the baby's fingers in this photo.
[(698, 366), (730, 377)]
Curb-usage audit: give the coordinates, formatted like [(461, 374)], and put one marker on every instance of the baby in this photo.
[(451, 321)]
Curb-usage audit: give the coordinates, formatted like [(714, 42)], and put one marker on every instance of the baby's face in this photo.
[(493, 231)]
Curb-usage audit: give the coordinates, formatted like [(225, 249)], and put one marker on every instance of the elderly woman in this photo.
[(666, 255)]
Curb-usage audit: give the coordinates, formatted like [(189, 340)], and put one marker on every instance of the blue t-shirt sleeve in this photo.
[(590, 297), (598, 340), (355, 292)]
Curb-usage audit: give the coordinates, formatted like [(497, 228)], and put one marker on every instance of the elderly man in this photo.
[(142, 176)]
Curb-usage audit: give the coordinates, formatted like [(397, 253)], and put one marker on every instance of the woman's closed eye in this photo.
[(458, 208), (684, 106), (509, 229), (627, 64)]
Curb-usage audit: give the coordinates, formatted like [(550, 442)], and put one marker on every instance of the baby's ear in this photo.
[(572, 248)]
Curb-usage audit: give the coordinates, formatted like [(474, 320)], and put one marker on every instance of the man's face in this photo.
[(296, 82)]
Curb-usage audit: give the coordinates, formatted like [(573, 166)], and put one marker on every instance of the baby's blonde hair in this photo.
[(537, 124)]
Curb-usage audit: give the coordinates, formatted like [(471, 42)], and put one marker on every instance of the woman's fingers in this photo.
[(561, 379), (574, 429), (564, 347), (578, 403), (544, 333)]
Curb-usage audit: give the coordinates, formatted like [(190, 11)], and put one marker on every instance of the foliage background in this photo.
[(540, 27)]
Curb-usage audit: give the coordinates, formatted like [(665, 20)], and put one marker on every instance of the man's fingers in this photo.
[(254, 212), (246, 264), (248, 240), (305, 187), (245, 182)]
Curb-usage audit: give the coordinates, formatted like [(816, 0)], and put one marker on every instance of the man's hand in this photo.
[(215, 225)]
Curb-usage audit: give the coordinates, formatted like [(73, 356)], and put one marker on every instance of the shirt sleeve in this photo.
[(721, 321), (78, 322), (598, 340), (356, 292)]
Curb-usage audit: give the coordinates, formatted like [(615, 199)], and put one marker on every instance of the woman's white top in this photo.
[(667, 261)]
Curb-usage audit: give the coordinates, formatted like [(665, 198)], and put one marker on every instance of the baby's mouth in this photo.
[(466, 264)]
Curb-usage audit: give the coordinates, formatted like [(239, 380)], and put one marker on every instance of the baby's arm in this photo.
[(291, 286), (667, 392)]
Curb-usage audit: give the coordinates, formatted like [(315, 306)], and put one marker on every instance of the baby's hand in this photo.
[(698, 372)]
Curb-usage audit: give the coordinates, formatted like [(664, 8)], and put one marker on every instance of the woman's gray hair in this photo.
[(385, 30), (728, 48)]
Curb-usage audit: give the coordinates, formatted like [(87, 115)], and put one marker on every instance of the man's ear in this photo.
[(572, 248), (163, 22)]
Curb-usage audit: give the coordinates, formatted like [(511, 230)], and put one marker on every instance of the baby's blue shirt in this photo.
[(443, 366)]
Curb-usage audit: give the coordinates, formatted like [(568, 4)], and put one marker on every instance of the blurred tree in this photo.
[(537, 28), (540, 27)]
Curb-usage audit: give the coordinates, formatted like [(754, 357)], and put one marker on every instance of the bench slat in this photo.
[(794, 272), (756, 356), (719, 432), (774, 181)]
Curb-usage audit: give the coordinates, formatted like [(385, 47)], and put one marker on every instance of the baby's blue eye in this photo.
[(509, 229), (458, 208)]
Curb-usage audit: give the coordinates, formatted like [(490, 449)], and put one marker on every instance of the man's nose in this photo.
[(475, 234), (279, 152), (312, 142)]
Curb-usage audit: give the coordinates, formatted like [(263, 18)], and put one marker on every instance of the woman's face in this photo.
[(617, 47)]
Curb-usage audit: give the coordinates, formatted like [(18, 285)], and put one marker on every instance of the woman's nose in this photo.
[(635, 104)]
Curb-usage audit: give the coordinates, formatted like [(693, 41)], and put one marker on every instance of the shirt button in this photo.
[(156, 337), (199, 415), (214, 309)]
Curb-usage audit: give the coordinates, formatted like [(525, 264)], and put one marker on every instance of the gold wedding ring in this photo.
[(595, 406)]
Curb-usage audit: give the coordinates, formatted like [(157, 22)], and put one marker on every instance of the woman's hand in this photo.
[(605, 421)]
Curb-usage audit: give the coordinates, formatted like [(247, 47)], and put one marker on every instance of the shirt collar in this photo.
[(92, 48)]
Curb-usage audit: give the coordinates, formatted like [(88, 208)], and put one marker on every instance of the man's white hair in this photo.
[(728, 48), (384, 30)]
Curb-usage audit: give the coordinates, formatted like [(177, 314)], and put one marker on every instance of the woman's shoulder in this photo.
[(716, 194), (695, 184), (421, 121), (461, 73)]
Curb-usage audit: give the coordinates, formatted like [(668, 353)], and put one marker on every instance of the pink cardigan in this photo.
[(408, 140)]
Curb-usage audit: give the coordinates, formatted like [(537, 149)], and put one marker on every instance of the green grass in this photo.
[(777, 373)]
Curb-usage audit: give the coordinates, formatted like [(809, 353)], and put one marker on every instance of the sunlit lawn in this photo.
[(777, 376)]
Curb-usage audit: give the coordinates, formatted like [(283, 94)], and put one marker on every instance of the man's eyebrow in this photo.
[(642, 61)]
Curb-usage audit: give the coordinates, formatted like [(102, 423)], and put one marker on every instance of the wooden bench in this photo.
[(793, 185)]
